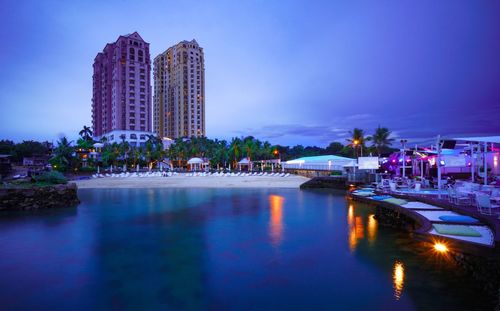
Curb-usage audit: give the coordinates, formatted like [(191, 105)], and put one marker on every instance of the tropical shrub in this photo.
[(52, 177)]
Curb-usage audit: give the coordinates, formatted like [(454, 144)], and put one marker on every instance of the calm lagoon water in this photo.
[(220, 249)]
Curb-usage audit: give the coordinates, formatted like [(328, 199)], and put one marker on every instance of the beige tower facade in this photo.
[(179, 91)]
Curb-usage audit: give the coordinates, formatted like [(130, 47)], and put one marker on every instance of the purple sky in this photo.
[(287, 71)]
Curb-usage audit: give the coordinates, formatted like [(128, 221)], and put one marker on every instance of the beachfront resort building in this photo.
[(121, 101), (179, 91)]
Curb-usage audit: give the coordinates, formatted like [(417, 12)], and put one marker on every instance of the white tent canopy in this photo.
[(195, 161), (483, 139), (351, 164), (244, 161), (324, 162)]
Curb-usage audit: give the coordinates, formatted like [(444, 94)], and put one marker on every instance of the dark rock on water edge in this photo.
[(325, 182), (39, 198)]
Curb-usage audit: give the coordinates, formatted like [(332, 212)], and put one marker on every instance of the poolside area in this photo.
[(439, 217)]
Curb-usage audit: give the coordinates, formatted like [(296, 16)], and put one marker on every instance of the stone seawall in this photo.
[(39, 197), (331, 182)]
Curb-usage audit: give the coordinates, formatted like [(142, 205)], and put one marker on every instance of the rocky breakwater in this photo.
[(22, 199)]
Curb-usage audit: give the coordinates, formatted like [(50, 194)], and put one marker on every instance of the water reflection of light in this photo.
[(352, 239), (350, 215), (372, 228), (276, 223), (398, 279), (356, 228)]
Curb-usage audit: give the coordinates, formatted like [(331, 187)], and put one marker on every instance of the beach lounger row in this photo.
[(135, 175), (220, 174)]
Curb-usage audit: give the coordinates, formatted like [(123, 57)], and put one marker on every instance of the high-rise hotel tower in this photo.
[(121, 101), (179, 91)]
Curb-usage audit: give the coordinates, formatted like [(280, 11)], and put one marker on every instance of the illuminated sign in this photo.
[(368, 163)]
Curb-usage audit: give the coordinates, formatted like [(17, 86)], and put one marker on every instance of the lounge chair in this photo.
[(462, 198), (484, 205), (392, 186)]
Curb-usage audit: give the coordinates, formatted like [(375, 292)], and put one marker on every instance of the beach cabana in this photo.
[(196, 164), (245, 162)]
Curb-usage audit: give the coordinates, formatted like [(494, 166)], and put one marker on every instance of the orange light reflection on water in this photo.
[(276, 222), (372, 228), (398, 279), (356, 228)]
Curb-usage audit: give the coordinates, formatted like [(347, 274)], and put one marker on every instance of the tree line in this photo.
[(69, 155)]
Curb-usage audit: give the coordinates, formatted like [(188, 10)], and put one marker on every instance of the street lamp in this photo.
[(276, 153), (356, 143)]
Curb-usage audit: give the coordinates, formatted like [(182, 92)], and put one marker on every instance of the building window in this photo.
[(133, 136)]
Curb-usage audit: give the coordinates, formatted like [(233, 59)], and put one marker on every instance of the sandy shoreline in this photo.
[(182, 181)]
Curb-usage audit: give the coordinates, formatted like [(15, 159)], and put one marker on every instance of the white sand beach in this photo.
[(184, 181)]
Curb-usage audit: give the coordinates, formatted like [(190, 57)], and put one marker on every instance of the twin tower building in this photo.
[(122, 108)]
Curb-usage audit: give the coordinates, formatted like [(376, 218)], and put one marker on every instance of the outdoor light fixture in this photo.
[(440, 247)]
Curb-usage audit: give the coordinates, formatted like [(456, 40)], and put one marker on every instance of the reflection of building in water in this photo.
[(372, 228), (276, 222), (356, 228), (398, 278)]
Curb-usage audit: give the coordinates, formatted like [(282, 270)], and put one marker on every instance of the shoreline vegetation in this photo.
[(86, 155)]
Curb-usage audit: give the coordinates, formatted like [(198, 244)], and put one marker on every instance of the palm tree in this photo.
[(358, 138), (86, 133), (249, 147), (124, 147), (235, 150), (136, 155), (63, 154), (381, 139)]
